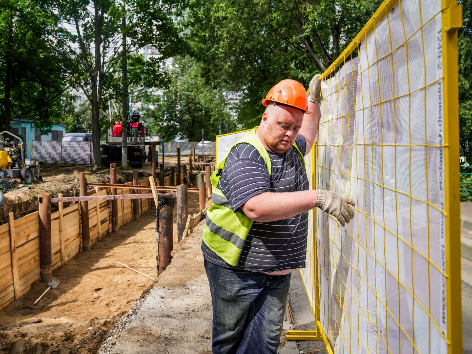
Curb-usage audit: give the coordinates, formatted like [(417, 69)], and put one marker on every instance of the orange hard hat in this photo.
[(289, 93)]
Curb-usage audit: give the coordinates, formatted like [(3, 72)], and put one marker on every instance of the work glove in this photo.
[(342, 208), (315, 89)]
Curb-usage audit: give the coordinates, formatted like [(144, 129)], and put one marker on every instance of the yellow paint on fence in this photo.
[(389, 282)]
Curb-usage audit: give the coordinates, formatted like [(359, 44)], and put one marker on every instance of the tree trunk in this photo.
[(124, 98), (97, 158), (8, 80), (7, 94)]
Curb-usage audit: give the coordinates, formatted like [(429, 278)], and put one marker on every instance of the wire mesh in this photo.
[(381, 280)]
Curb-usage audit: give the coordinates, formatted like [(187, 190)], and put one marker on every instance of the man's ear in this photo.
[(265, 116)]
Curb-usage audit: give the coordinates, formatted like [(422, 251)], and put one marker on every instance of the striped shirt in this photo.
[(270, 246)]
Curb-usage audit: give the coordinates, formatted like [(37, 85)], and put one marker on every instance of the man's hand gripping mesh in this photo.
[(342, 208)]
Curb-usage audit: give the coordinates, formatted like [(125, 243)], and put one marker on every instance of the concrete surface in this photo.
[(466, 306)]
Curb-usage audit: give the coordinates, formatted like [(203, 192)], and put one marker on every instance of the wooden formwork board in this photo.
[(6, 275), (28, 257), (28, 280), (27, 229), (4, 239), (7, 295), (65, 240)]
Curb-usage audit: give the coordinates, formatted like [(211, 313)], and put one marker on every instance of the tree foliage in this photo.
[(188, 105), (95, 47), (248, 46), (465, 80), (32, 78)]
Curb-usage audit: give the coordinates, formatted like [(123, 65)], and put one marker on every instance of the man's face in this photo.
[(279, 127)]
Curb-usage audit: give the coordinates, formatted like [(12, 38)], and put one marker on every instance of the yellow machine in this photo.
[(12, 160), (5, 160)]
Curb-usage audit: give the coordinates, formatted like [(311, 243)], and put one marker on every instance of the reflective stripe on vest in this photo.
[(228, 241)]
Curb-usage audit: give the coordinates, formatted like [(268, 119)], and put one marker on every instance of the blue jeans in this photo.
[(248, 309)]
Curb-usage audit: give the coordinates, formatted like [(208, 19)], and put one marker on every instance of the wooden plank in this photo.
[(55, 215), (4, 243), (29, 279), (4, 228), (29, 261), (71, 234), (61, 229), (5, 271), (6, 299), (14, 256), (26, 234), (72, 249), (26, 220), (7, 290), (6, 279), (97, 207), (28, 267), (5, 260), (27, 249), (71, 209)]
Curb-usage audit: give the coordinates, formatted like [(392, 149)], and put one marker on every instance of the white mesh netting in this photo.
[(382, 277)]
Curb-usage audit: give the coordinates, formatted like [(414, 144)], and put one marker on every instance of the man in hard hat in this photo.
[(255, 233)]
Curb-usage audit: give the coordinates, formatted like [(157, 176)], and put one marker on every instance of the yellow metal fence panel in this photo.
[(386, 283)]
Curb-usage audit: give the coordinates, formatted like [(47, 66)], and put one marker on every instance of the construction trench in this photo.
[(55, 322), (130, 292)]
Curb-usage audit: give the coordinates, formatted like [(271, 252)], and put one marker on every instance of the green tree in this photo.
[(77, 119), (31, 74), (97, 64), (465, 80), (248, 46), (188, 106)]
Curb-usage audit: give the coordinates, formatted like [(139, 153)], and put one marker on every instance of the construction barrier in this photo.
[(390, 281), (53, 152), (201, 148)]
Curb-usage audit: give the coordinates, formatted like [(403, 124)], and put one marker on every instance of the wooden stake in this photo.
[(61, 228), (85, 213), (136, 191), (114, 203), (153, 161), (45, 254), (179, 176), (14, 260), (134, 270), (202, 195), (97, 206), (154, 190)]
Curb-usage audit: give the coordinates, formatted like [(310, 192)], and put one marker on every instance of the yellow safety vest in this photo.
[(225, 230)]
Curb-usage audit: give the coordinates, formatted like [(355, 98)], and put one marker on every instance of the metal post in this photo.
[(136, 191), (114, 203), (84, 213), (166, 231), (182, 210), (161, 174), (172, 176), (179, 179), (202, 195), (163, 151), (153, 160), (184, 173), (45, 254), (207, 180), (190, 168)]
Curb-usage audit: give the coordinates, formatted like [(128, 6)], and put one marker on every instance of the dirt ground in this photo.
[(94, 290)]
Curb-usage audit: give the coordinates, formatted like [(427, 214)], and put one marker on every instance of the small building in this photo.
[(26, 130)]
